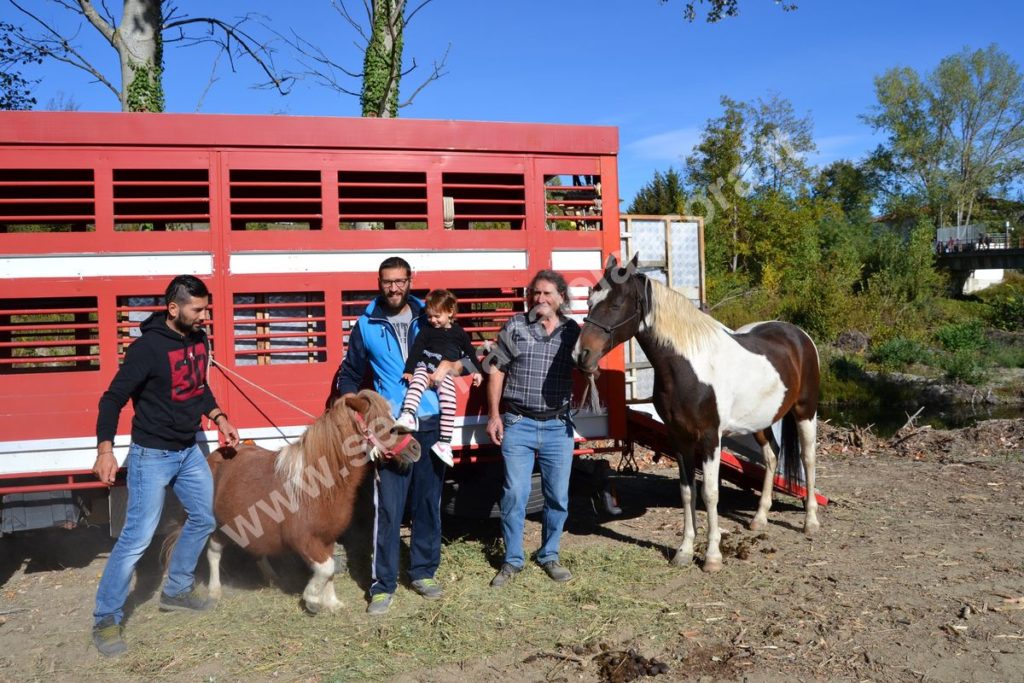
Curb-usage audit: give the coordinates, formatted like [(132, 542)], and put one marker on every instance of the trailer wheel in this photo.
[(476, 493)]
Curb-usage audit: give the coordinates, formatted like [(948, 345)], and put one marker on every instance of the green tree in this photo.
[(15, 89), (753, 149), (665, 194), (853, 187), (953, 135), (139, 38)]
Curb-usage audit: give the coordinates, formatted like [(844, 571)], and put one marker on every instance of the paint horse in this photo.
[(301, 498), (709, 382)]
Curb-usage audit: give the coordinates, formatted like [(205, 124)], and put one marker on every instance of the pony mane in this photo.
[(675, 321), (323, 447)]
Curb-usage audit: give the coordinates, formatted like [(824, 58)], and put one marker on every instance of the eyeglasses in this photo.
[(401, 283)]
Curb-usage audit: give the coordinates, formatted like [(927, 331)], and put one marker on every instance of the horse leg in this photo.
[(314, 592), (214, 551), (760, 520), (329, 599), (709, 489), (808, 443), (267, 570), (687, 483)]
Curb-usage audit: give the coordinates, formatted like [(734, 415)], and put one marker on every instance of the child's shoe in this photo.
[(405, 423), (443, 451)]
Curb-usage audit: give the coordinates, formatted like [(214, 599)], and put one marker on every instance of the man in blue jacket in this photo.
[(380, 343)]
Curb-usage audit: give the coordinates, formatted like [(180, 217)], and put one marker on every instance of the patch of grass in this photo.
[(263, 633)]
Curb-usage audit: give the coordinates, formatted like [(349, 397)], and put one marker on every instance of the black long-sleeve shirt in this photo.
[(435, 344), (164, 374)]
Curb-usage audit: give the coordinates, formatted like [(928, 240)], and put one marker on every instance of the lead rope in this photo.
[(590, 399), (231, 373)]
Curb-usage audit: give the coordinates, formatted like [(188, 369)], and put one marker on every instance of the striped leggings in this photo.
[(445, 394)]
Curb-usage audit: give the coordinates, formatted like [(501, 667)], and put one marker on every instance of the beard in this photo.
[(182, 325)]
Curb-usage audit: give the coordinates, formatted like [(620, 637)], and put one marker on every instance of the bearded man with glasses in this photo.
[(378, 346)]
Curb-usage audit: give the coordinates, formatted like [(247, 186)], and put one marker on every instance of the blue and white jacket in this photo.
[(373, 345)]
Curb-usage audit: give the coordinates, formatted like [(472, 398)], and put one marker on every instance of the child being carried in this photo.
[(443, 340)]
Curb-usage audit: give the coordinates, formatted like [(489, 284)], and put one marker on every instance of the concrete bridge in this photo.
[(962, 263), (982, 259)]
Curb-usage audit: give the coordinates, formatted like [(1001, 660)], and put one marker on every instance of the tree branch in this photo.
[(234, 41), (435, 74), (90, 13), (60, 48)]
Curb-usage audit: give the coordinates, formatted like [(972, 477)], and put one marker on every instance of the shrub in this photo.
[(964, 366), (963, 336), (899, 352)]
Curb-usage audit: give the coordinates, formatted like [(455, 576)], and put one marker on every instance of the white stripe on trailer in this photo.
[(253, 263), (586, 259), (79, 453), (107, 265)]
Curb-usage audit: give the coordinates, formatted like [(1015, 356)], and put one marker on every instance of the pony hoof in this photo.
[(758, 524), (314, 607), (681, 559), (811, 528), (712, 566)]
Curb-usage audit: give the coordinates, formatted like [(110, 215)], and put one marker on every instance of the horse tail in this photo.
[(167, 547), (789, 450)]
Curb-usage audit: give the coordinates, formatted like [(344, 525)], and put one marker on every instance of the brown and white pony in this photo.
[(708, 382), (300, 499)]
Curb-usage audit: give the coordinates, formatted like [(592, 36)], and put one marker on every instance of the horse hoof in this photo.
[(811, 528), (313, 607), (681, 559), (758, 524), (712, 566)]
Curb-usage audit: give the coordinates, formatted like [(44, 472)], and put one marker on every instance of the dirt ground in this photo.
[(917, 574)]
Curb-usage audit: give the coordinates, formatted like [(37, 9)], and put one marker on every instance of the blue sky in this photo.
[(633, 64)]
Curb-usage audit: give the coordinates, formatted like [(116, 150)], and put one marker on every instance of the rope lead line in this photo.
[(228, 375), (226, 371)]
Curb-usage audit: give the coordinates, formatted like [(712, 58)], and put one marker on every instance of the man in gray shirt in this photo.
[(531, 369)]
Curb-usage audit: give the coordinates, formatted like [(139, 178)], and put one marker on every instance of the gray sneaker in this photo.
[(380, 603), (428, 588), (556, 571), (107, 637), (189, 601), (507, 573)]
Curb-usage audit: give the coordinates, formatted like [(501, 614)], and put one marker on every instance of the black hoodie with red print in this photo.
[(164, 374)]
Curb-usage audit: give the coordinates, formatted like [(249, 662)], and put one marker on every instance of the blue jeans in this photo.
[(150, 471), (421, 485), (551, 442)]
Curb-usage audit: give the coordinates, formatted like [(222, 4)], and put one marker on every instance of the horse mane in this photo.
[(323, 441), (675, 321)]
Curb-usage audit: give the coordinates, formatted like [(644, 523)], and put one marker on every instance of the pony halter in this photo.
[(378, 451)]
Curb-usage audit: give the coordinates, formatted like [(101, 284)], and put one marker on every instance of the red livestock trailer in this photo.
[(286, 219)]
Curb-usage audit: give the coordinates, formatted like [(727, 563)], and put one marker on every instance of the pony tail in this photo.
[(789, 451)]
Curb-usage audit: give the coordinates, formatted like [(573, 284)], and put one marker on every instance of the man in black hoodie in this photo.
[(164, 374)]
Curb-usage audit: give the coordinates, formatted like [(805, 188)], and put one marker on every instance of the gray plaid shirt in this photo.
[(537, 366)]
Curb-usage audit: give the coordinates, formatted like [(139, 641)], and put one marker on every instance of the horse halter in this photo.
[(377, 448), (608, 329)]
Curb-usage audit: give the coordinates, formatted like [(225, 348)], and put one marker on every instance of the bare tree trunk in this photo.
[(140, 50)]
